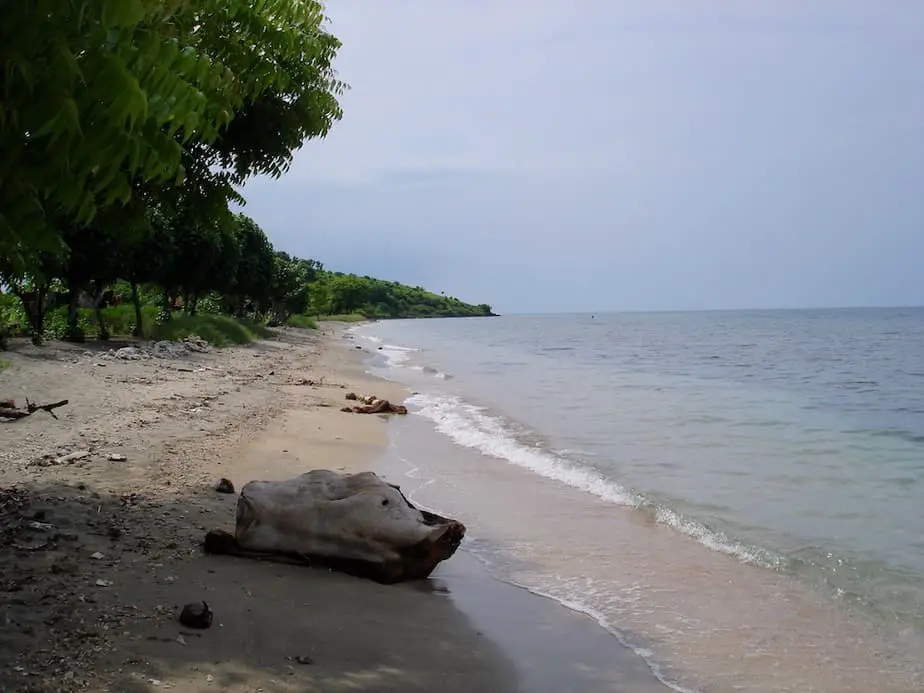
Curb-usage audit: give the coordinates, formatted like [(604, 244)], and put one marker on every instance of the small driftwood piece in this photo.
[(8, 409), (353, 523)]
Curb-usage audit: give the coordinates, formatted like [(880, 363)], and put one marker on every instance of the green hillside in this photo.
[(338, 293)]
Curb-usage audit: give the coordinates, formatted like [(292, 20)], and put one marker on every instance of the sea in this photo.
[(736, 496)]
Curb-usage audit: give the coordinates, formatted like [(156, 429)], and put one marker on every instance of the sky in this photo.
[(596, 155)]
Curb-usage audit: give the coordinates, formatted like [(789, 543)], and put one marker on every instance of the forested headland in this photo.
[(127, 128)]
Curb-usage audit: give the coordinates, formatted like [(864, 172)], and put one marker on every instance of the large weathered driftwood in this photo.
[(355, 523)]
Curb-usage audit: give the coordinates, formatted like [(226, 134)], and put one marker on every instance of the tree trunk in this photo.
[(33, 302), (136, 301), (103, 330), (168, 304), (73, 295)]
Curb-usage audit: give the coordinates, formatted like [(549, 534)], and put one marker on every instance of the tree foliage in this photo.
[(99, 98), (176, 261), (126, 128)]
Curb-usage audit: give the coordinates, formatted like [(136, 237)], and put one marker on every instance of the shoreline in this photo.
[(94, 606), (653, 586)]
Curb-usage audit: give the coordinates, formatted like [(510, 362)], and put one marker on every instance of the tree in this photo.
[(347, 293), (254, 279), (148, 255), (289, 290), (90, 262), (99, 96), (32, 288)]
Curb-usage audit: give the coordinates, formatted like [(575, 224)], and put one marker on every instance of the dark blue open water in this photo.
[(792, 441)]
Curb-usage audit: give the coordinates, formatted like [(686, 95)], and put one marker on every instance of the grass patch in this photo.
[(217, 330), (259, 329), (304, 322), (4, 365), (119, 320), (344, 317)]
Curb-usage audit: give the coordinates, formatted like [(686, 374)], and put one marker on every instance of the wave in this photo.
[(472, 426), (483, 553), (396, 356)]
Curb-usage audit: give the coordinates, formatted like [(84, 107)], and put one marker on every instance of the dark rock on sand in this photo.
[(225, 486), (196, 615)]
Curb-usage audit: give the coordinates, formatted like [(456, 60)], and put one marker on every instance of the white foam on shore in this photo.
[(470, 426), (396, 356), (644, 653), (470, 546)]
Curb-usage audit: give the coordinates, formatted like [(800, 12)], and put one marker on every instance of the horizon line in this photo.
[(623, 311)]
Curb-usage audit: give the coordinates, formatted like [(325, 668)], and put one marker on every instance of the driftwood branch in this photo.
[(8, 410), (354, 523)]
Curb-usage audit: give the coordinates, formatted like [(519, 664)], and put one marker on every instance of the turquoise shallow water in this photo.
[(789, 440)]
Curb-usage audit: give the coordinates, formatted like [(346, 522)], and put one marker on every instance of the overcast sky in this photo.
[(548, 156)]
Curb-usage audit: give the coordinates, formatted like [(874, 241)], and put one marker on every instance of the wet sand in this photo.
[(707, 621), (73, 621)]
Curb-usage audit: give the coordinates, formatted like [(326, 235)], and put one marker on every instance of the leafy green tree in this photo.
[(347, 293), (290, 289), (147, 255), (254, 278), (91, 262), (97, 96), (32, 288)]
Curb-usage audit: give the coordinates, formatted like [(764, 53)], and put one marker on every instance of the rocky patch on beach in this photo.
[(370, 404), (164, 349)]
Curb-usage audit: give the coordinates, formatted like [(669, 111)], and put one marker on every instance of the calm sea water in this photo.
[(780, 452)]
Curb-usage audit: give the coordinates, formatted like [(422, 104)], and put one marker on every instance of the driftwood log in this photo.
[(8, 409), (354, 523)]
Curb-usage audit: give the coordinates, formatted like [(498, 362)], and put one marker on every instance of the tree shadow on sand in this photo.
[(91, 585)]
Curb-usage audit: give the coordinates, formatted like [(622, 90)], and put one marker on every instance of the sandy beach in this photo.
[(103, 511)]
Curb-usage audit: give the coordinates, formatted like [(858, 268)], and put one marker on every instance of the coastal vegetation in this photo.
[(226, 287), (126, 129)]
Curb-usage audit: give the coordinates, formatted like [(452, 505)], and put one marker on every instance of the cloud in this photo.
[(560, 156)]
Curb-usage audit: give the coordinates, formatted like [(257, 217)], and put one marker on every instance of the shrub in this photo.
[(218, 330), (346, 317), (305, 322)]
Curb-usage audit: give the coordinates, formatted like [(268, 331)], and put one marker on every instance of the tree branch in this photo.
[(12, 413)]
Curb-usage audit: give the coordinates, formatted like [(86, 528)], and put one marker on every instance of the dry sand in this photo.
[(97, 554)]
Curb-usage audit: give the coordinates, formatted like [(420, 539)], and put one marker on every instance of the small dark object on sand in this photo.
[(225, 486), (196, 615)]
